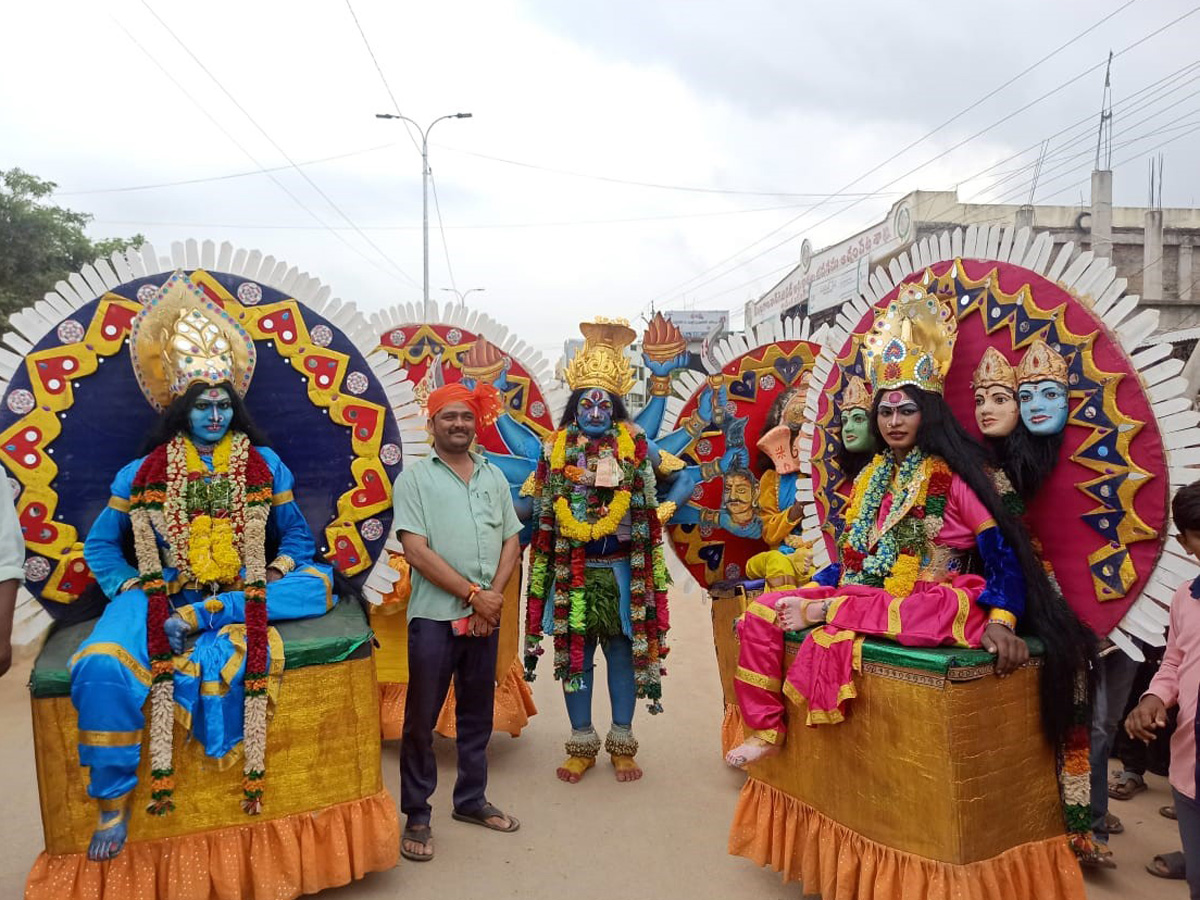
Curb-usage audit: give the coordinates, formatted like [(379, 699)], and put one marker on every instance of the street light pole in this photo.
[(462, 295), (424, 183)]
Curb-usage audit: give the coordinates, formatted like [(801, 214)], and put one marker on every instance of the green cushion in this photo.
[(342, 633), (929, 659)]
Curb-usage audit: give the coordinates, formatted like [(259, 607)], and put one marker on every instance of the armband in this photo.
[(282, 564), (1003, 617), (660, 385)]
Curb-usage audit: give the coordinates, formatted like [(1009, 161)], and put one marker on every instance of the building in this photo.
[(1151, 248)]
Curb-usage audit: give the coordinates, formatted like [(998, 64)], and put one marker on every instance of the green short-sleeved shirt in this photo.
[(465, 524)]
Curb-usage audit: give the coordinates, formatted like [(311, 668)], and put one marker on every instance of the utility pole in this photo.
[(424, 184)]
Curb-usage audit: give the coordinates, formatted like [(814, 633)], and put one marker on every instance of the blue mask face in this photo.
[(210, 415), (1043, 406), (594, 412)]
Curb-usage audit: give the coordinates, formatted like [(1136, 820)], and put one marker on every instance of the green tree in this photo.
[(40, 243)]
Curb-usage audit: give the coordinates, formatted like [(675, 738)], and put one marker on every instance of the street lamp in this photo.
[(424, 181), (462, 295)]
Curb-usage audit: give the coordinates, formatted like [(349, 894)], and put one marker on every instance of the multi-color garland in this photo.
[(889, 556), (573, 511), (213, 522)]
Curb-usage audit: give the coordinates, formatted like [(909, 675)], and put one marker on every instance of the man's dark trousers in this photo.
[(435, 655)]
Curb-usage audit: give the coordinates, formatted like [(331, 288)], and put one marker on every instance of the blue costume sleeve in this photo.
[(829, 576), (102, 547), (1005, 587), (286, 524)]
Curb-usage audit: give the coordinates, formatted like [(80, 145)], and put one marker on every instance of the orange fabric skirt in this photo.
[(513, 706), (277, 859), (776, 830)]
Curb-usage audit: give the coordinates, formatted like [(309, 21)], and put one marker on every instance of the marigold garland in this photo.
[(212, 522), (571, 512)]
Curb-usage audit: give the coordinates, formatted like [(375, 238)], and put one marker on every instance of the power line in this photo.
[(226, 177), (276, 145), (922, 165), (442, 231), (378, 68), (233, 140), (645, 184)]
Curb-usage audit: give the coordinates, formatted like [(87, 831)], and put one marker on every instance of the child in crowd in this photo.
[(1178, 683)]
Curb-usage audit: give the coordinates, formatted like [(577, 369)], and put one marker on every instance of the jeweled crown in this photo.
[(182, 337), (602, 362), (856, 395), (1041, 362), (912, 341), (994, 369)]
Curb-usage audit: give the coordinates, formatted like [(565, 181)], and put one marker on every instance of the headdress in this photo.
[(856, 395), (912, 341), (602, 362), (485, 401), (1041, 363), (182, 337), (994, 370)]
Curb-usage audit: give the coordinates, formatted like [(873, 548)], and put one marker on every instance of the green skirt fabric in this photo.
[(602, 596)]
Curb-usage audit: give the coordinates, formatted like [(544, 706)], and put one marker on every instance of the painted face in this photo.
[(739, 498), (1043, 406), (899, 418), (594, 412), (210, 415), (453, 428), (996, 411), (856, 431)]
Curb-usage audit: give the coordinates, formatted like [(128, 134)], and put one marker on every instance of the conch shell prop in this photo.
[(780, 448)]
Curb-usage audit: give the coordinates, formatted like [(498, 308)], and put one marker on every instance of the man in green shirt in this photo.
[(455, 518)]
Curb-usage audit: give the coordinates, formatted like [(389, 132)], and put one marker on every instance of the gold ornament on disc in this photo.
[(856, 395)]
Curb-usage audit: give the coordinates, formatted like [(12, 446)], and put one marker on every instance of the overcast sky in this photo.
[(738, 121)]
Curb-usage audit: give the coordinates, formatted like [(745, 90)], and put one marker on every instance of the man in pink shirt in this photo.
[(1178, 683)]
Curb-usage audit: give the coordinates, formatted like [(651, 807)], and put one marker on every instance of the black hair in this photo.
[(1185, 507), (620, 413), (1028, 459), (1069, 644), (174, 419)]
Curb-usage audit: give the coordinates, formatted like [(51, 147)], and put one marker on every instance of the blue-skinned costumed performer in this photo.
[(202, 511), (597, 576)]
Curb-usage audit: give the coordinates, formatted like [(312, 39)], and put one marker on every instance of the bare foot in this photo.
[(796, 613), (753, 750), (109, 837), (572, 770), (627, 769)]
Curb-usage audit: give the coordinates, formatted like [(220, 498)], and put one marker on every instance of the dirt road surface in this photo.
[(662, 837)]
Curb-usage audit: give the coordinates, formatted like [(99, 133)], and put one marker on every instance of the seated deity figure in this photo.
[(201, 536), (916, 512)]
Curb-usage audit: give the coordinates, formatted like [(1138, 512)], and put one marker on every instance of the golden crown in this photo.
[(1041, 362), (994, 369), (602, 362), (912, 341), (856, 395), (182, 337)]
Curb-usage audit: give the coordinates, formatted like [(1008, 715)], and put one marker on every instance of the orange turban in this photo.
[(485, 401)]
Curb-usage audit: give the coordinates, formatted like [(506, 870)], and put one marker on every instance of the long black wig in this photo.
[(174, 419), (1069, 645), (1027, 458)]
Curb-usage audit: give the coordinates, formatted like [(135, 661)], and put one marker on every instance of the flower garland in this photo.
[(173, 490), (890, 557), (572, 512)]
